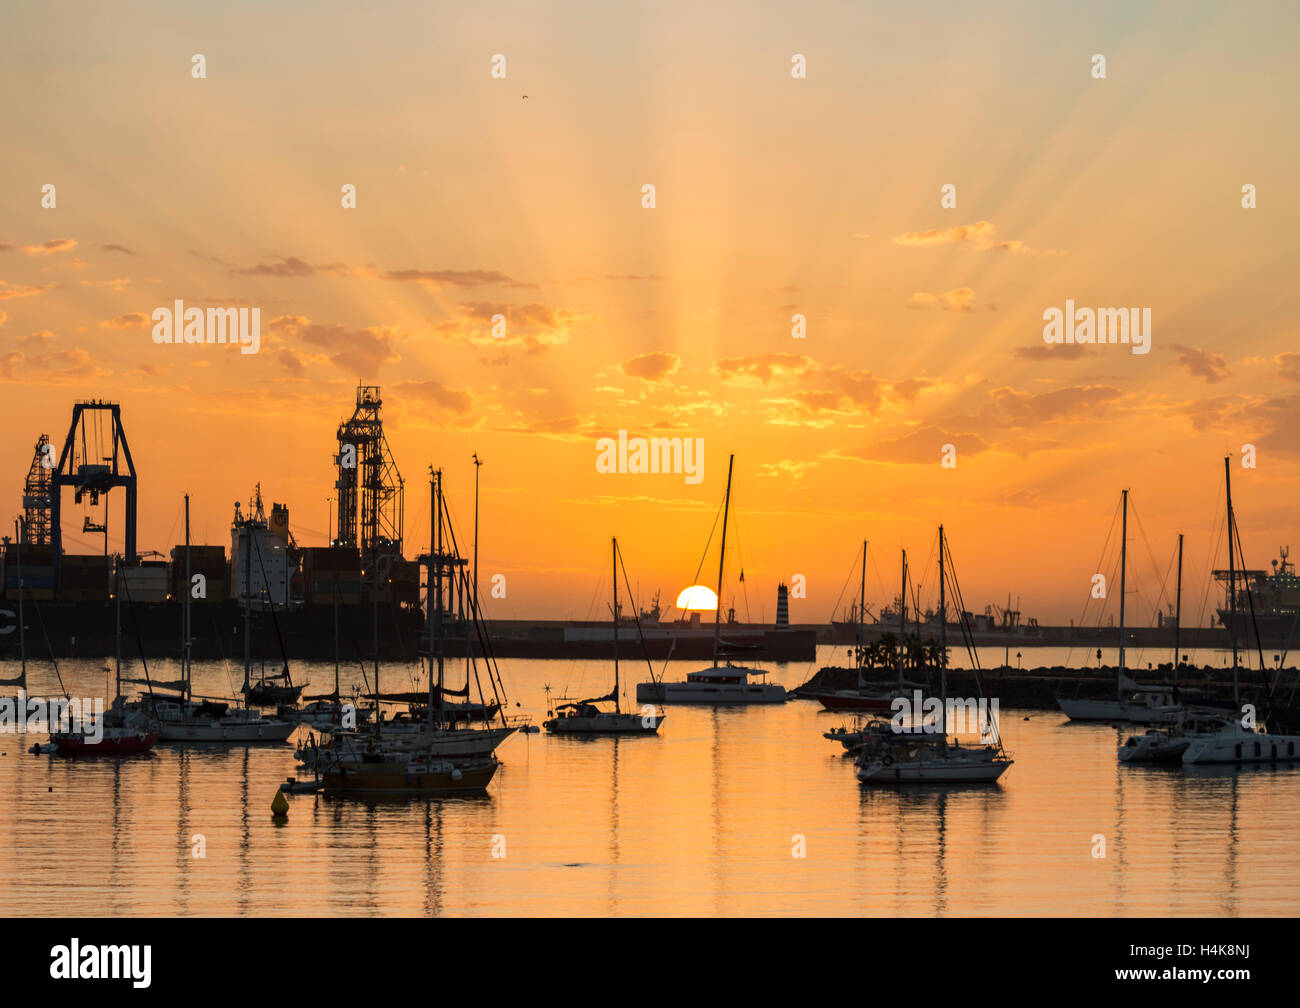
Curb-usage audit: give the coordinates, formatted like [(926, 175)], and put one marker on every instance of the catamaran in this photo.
[(718, 684), (583, 717), (923, 758)]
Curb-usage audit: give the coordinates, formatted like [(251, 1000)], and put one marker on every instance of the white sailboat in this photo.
[(934, 759), (183, 719), (718, 684), (445, 751), (1133, 703), (583, 717), (1238, 741)]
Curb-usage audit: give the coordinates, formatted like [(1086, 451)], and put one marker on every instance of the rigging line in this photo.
[(1101, 560), (717, 515), (645, 650)]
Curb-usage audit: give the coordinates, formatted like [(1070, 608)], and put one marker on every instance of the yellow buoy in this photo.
[(279, 805)]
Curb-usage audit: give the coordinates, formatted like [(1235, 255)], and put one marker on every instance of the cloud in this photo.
[(909, 388), (51, 247), (761, 368), (1210, 366), (117, 284), (435, 279), (131, 320), (923, 445), (1288, 366), (785, 469), (456, 400), (290, 267), (534, 326), (1043, 351), (651, 366), (962, 299), (980, 235), (73, 364), (116, 248), (10, 291), (357, 351), (1076, 402)]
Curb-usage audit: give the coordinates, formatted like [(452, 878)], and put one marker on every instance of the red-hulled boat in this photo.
[(114, 742)]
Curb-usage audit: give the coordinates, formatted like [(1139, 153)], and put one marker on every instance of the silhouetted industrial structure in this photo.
[(370, 489)]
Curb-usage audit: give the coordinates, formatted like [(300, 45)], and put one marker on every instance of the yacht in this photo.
[(923, 756), (718, 684), (583, 717)]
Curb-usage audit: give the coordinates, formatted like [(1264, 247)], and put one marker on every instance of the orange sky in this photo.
[(775, 196)]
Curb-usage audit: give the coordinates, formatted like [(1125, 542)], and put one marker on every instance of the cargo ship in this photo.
[(1267, 604)]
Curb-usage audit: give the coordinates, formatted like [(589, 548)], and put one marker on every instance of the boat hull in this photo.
[(1151, 749), (852, 701), (605, 724), (710, 693), (934, 771), (1242, 747), (234, 733), (395, 780), (125, 745), (1117, 710)]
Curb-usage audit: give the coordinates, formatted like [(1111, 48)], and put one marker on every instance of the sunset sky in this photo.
[(775, 196)]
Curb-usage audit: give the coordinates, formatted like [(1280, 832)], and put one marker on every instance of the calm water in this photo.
[(700, 820)]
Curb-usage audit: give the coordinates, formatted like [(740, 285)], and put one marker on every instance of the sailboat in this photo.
[(181, 718), (872, 698), (718, 684), (1135, 703), (442, 752), (124, 732), (583, 717), (1237, 741), (935, 759)]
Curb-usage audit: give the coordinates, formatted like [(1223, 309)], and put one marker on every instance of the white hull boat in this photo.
[(1144, 707), (232, 730), (704, 688), (604, 723), (1237, 744), (937, 763)]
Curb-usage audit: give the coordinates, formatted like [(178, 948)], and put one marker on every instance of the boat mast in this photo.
[(614, 541), (437, 520), (186, 672), (1123, 571), (722, 556), (1232, 580), (902, 621), (430, 587), (943, 647), (247, 528), (117, 627), (22, 632), (1178, 608), (862, 604)]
